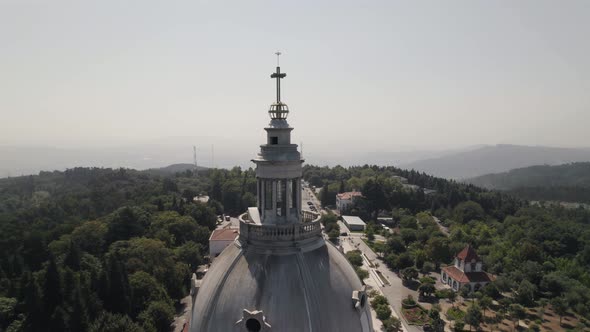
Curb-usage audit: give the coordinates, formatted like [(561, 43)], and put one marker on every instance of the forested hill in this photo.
[(94, 249), (567, 175), (498, 158), (568, 182)]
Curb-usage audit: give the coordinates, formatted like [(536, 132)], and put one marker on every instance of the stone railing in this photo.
[(309, 216), (290, 232)]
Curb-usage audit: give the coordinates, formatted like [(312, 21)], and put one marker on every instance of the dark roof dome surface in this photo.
[(308, 289)]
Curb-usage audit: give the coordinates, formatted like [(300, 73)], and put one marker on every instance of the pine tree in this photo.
[(118, 298), (36, 317), (73, 257), (79, 319), (52, 288)]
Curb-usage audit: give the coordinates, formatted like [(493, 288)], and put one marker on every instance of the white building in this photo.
[(354, 223), (221, 238), (345, 200)]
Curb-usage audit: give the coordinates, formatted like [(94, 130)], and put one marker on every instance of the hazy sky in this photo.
[(381, 74)]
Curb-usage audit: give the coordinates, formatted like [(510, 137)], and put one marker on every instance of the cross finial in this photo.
[(278, 75)]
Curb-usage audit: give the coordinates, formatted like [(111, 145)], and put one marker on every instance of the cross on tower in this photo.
[(278, 75)]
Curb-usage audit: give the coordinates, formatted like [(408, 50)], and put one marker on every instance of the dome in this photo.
[(311, 287)]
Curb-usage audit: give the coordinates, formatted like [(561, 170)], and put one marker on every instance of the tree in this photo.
[(379, 248), (467, 211), (333, 234), (516, 312), (7, 305), (485, 302), (159, 314), (452, 297), (145, 289), (355, 258), (383, 312), (72, 259), (190, 254), (465, 291), (118, 297), (560, 307), (361, 273), (109, 322), (473, 317), (404, 261), (543, 304), (52, 289), (525, 294), (379, 300), (392, 324), (409, 274), (426, 289)]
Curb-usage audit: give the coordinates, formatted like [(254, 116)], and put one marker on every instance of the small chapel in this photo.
[(467, 270)]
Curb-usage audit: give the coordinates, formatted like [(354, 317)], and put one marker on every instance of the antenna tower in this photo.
[(195, 160)]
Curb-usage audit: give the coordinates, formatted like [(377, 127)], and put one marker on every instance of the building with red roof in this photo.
[(221, 238), (345, 200), (467, 270)]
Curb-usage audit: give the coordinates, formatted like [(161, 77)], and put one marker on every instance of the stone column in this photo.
[(274, 199)]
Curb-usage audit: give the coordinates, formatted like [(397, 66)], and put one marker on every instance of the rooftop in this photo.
[(463, 277), (468, 254), (349, 194), (224, 234), (353, 220)]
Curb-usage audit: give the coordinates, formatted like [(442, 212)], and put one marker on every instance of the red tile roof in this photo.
[(468, 254), (349, 195), (224, 234), (464, 277)]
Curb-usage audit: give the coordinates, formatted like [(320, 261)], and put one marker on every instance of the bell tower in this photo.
[(278, 166)]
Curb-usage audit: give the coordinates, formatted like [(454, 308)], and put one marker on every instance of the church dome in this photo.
[(310, 288), (280, 274)]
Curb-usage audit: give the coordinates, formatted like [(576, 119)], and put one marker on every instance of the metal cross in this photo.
[(278, 75)]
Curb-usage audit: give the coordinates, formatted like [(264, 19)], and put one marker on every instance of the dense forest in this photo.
[(539, 254), (568, 182), (113, 249), (106, 250)]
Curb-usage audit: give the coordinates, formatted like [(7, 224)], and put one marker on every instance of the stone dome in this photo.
[(307, 287)]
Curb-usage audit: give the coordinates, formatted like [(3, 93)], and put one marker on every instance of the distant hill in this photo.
[(496, 159), (175, 168), (574, 174), (565, 183)]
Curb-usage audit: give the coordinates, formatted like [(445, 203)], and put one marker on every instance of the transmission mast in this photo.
[(195, 160)]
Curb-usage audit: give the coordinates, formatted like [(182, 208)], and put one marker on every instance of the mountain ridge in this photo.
[(497, 159)]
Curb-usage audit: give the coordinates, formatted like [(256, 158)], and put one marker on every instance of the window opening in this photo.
[(253, 325), (274, 140), (294, 193)]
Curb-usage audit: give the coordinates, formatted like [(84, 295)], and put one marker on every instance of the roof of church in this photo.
[(463, 277), (310, 289), (224, 234), (468, 254)]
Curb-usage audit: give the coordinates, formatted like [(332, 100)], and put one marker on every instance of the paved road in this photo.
[(182, 316), (442, 228), (394, 292)]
